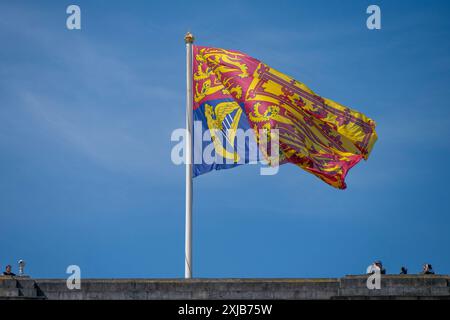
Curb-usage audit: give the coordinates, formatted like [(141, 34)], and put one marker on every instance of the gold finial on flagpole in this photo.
[(189, 38)]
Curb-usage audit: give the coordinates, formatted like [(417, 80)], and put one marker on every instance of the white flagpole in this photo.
[(189, 39)]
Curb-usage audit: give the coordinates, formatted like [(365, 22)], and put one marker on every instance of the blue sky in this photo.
[(86, 118)]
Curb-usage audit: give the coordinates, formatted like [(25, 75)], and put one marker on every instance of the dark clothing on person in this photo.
[(380, 266), (427, 269), (8, 273)]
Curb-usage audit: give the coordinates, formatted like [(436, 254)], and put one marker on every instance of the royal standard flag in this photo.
[(234, 91)]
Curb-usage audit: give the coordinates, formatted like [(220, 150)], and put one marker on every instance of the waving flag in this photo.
[(232, 90)]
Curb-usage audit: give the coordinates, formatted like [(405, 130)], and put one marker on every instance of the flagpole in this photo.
[(189, 39)]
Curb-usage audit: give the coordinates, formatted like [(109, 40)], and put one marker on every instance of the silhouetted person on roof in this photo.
[(403, 270), (376, 266), (8, 272), (427, 269)]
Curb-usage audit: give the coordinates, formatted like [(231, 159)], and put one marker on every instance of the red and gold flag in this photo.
[(317, 134)]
